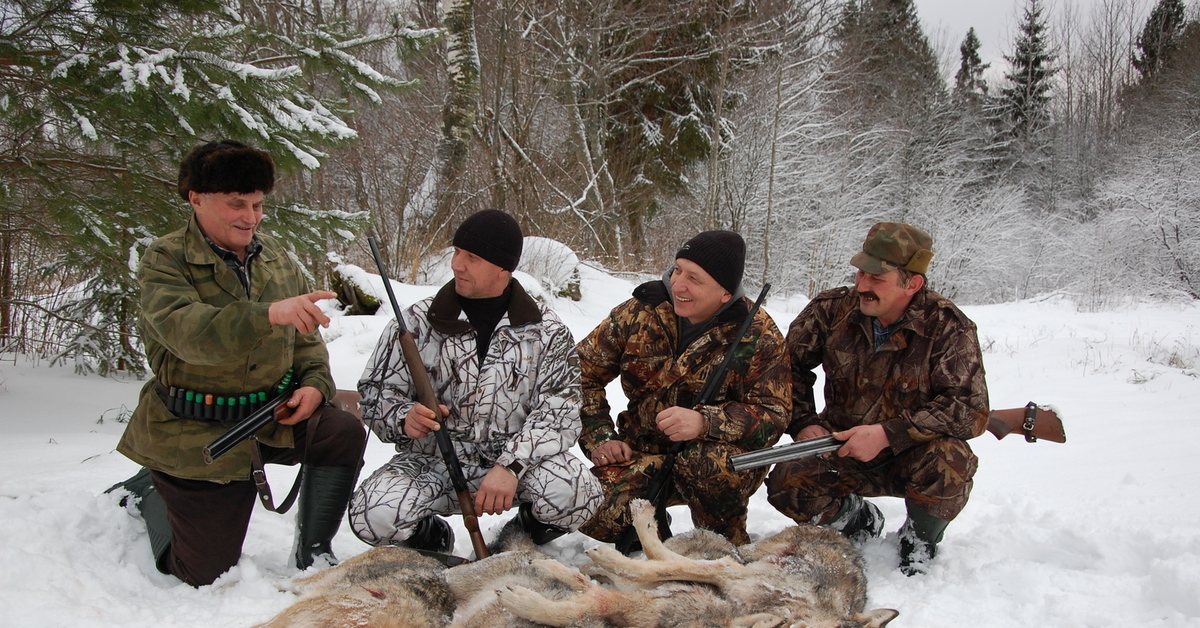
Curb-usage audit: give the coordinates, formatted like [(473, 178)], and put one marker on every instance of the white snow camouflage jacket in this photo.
[(522, 405)]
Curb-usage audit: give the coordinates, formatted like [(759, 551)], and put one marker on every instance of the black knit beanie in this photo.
[(227, 167), (493, 235), (722, 254)]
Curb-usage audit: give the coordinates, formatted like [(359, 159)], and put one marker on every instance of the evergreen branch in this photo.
[(57, 316)]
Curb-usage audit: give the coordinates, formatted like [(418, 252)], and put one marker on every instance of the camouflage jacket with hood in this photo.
[(926, 380), (638, 342), (521, 405), (203, 333)]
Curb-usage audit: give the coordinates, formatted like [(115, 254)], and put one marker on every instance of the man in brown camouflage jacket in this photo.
[(663, 344), (226, 312), (904, 387)]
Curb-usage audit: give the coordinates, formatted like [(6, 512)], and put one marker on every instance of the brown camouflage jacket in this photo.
[(926, 381), (637, 343), (202, 333)]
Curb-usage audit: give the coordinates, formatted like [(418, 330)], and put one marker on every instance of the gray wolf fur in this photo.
[(517, 562), (385, 587), (802, 577)]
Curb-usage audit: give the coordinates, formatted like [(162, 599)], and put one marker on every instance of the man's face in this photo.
[(229, 219), (475, 277), (696, 294), (883, 297)]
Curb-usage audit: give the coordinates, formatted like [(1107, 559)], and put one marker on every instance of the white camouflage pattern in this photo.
[(522, 405)]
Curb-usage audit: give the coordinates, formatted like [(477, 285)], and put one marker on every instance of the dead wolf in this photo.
[(385, 587), (802, 577)]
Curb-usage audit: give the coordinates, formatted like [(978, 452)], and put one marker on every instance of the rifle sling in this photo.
[(258, 471), (1030, 420)]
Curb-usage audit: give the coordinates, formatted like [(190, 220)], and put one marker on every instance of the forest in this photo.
[(618, 128)]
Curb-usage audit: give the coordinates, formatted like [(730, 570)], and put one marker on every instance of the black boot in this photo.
[(324, 494), (154, 514), (919, 537), (433, 534), (857, 520), (540, 533)]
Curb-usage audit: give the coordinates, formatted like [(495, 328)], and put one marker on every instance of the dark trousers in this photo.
[(209, 519)]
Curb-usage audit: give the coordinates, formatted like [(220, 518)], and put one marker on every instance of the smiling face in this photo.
[(696, 294), (228, 219), (885, 296), (475, 277)]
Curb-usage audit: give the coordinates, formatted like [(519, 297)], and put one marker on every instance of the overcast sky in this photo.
[(995, 21)]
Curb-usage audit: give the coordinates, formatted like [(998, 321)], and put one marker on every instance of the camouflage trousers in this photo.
[(388, 505), (703, 481), (936, 476)]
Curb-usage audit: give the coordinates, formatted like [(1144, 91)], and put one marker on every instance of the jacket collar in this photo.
[(914, 315), (446, 315), (196, 251)]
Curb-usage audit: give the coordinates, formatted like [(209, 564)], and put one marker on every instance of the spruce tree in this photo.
[(1026, 99), (885, 67), (969, 84), (1159, 38), (98, 102)]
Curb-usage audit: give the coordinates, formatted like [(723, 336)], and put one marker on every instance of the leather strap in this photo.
[(258, 472), (1030, 420)]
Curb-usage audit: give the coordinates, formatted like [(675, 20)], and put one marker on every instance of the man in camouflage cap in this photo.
[(227, 314), (905, 390)]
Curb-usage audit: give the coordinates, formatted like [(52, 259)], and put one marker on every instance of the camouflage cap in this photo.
[(894, 245)]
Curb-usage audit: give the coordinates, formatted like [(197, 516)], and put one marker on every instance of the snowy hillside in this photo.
[(1101, 531)]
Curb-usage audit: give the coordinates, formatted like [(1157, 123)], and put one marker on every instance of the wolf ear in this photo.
[(876, 618)]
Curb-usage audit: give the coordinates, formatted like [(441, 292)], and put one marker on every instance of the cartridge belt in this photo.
[(225, 409)]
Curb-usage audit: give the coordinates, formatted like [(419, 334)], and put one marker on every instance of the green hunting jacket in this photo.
[(203, 333), (638, 343)]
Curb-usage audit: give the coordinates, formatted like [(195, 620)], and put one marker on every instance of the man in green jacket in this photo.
[(227, 313)]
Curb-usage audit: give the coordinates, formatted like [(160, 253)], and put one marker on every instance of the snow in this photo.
[(1103, 530)]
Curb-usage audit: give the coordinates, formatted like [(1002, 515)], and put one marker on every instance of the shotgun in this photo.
[(1033, 420), (427, 397), (247, 427), (657, 493)]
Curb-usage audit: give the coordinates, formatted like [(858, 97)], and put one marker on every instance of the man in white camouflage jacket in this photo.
[(506, 369)]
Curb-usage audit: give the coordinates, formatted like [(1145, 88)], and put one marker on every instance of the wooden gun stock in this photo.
[(1034, 421)]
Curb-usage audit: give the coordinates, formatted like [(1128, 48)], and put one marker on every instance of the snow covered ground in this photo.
[(1101, 531)]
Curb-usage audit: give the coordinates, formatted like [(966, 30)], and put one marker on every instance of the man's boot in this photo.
[(154, 514), (433, 534), (540, 533), (324, 494), (919, 537), (857, 520)]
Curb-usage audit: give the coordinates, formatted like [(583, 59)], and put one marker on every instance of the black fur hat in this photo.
[(226, 166)]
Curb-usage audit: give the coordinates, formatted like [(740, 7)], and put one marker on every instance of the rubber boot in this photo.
[(540, 533), (919, 537), (324, 494), (154, 514), (857, 520), (433, 534)]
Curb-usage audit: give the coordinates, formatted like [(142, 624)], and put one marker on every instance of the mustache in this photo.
[(868, 295)]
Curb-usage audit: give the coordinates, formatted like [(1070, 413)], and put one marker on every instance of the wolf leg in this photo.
[(529, 604)]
